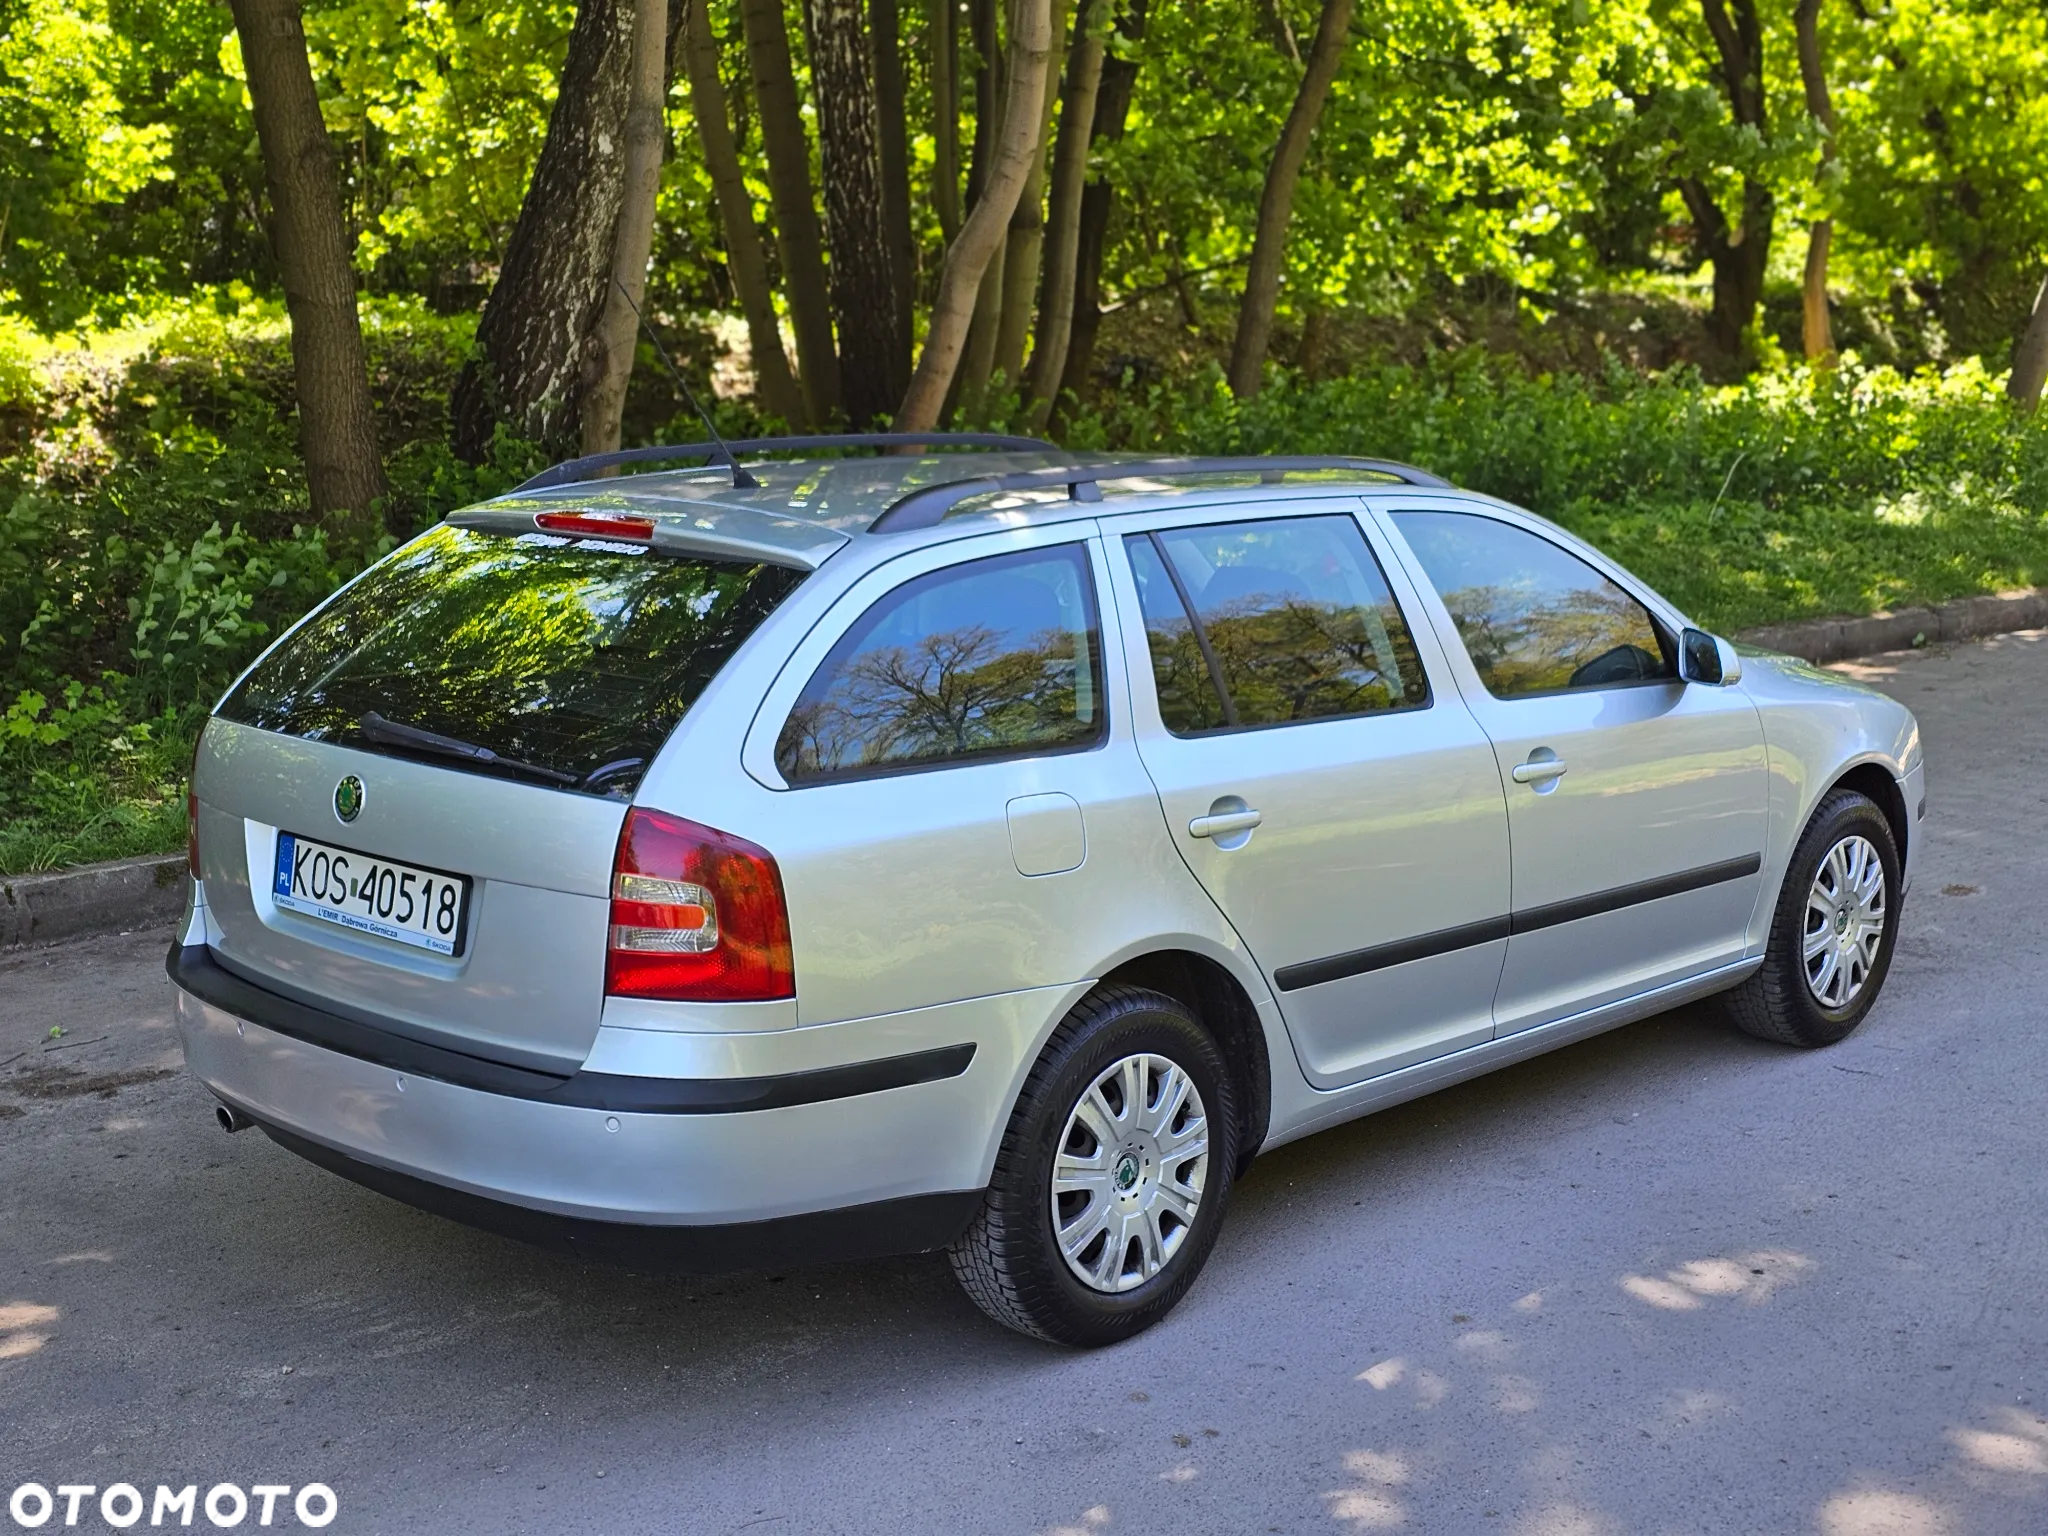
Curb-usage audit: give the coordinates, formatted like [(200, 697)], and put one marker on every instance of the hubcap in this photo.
[(1127, 1179), (1845, 914)]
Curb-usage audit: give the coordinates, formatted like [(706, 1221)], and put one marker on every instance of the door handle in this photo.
[(1539, 770), (1225, 824)]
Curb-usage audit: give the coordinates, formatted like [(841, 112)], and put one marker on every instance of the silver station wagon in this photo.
[(988, 848)]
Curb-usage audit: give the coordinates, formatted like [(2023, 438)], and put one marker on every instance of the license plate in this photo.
[(403, 902)]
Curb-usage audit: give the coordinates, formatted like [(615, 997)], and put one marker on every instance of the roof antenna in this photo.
[(741, 480)]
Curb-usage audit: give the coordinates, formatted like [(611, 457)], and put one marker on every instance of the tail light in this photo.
[(192, 810), (697, 916)]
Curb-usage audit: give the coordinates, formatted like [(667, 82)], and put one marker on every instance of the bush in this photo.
[(1791, 495)]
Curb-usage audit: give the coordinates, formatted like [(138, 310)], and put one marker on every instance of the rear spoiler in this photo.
[(742, 534)]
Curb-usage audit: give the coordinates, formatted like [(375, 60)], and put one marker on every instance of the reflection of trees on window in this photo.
[(553, 652), (1295, 615), (1534, 617), (955, 694), (1527, 640), (895, 694), (1305, 660)]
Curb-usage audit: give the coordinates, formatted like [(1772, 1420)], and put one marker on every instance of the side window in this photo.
[(1271, 622), (1534, 618), (992, 658)]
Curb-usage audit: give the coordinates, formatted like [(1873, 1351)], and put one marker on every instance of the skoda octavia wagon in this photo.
[(988, 851)]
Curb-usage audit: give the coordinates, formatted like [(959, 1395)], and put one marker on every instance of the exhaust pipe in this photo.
[(230, 1119)]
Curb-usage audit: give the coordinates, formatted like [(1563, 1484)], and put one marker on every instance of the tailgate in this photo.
[(526, 984)]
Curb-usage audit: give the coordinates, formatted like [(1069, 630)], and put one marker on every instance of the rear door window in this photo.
[(573, 658), (990, 658), (1271, 623), (1534, 617)]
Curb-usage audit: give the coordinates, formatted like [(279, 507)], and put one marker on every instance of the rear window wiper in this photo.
[(391, 733)]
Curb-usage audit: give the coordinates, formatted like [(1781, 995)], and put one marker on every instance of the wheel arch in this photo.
[(1225, 1009), (1874, 780)]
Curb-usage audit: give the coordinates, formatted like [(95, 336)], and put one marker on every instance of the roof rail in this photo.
[(928, 505), (572, 470)]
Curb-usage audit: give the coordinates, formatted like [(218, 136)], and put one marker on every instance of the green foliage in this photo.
[(154, 537), (79, 780), (1791, 495), (1943, 183)]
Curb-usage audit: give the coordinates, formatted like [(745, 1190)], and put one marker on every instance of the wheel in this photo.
[(1112, 1176), (1831, 938)]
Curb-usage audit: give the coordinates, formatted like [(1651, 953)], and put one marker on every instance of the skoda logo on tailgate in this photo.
[(348, 798)]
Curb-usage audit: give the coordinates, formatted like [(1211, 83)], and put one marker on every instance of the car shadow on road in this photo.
[(396, 1281)]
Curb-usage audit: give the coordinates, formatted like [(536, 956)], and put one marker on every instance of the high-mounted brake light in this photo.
[(597, 525), (697, 916)]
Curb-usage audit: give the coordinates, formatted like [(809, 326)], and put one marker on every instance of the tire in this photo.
[(1010, 1260), (1779, 1002)]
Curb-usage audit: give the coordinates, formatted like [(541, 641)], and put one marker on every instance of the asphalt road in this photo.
[(1669, 1280)]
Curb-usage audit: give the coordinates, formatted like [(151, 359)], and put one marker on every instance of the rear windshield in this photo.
[(575, 658)]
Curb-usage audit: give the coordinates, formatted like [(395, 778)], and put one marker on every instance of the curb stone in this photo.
[(96, 898), (1967, 618), (148, 892)]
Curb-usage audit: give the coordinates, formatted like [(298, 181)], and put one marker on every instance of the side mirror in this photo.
[(1705, 658)]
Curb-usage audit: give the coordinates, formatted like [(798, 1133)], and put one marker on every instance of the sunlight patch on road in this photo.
[(2019, 1446), (1486, 1344), (1387, 1373), (1874, 1512), (1751, 1278), (1430, 1388), (1371, 1505), (1515, 1394), (24, 1328), (1389, 1468), (1566, 1520), (1093, 1520)]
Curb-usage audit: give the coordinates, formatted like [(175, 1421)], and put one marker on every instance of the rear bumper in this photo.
[(847, 1158), (909, 1224)]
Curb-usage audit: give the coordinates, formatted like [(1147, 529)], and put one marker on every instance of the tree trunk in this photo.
[(988, 93), (609, 362), (1026, 241), (1738, 255), (797, 236), (543, 309), (1315, 337), (774, 384), (1816, 333), (1098, 201), (337, 428), (989, 102), (979, 365), (1027, 65), (945, 94), (1276, 204), (863, 291), (1740, 252), (1063, 228), (2030, 361), (893, 144)]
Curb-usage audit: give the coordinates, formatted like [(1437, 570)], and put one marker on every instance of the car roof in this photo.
[(801, 511)]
